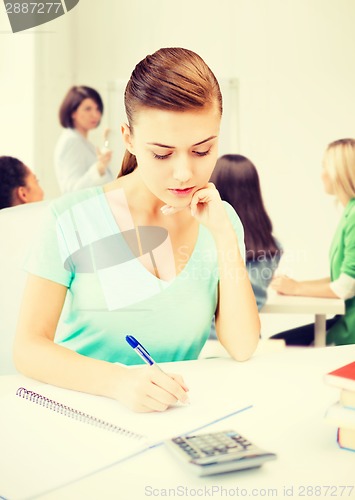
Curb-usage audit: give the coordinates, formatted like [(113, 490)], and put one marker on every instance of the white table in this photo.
[(289, 402), (320, 307)]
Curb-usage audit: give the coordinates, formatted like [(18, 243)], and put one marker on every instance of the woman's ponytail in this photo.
[(129, 163)]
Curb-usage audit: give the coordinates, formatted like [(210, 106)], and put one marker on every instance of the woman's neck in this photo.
[(343, 199), (82, 132), (143, 204)]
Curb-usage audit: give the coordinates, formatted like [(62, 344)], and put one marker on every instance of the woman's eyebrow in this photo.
[(160, 145), (173, 147), (205, 140)]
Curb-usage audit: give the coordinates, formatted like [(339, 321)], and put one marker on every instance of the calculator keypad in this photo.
[(221, 443)]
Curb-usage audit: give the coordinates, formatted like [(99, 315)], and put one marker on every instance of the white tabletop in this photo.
[(302, 305), (289, 401)]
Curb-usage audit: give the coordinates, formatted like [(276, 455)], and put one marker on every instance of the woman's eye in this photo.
[(161, 157), (202, 153)]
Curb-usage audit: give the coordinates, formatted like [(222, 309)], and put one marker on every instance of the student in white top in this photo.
[(78, 163)]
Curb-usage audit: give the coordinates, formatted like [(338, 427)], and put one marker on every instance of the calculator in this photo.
[(217, 452)]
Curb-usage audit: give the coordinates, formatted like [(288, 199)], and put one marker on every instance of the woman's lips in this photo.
[(181, 193)]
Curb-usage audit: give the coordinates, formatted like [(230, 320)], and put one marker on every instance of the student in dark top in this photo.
[(237, 181)]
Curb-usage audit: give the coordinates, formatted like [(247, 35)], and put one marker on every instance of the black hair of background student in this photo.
[(237, 180), (18, 184)]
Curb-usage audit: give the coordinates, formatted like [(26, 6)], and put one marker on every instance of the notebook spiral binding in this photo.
[(67, 411)]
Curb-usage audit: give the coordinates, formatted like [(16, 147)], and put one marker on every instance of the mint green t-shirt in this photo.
[(111, 294)]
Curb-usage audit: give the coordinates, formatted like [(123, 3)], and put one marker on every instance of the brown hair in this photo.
[(237, 181), (72, 101), (173, 79)]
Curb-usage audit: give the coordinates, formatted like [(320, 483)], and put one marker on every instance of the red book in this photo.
[(343, 377)]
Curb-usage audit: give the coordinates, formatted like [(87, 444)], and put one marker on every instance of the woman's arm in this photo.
[(36, 355), (314, 288), (237, 319)]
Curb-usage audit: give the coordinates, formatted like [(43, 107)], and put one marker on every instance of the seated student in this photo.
[(338, 176), (18, 184), (237, 181), (153, 254)]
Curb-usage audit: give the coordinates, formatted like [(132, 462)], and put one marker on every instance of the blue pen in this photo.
[(140, 350), (144, 354)]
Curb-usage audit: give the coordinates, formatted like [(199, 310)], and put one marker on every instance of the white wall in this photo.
[(293, 60), (36, 68), (16, 92)]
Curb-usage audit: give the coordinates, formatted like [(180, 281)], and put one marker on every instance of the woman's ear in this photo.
[(127, 137), (19, 196)]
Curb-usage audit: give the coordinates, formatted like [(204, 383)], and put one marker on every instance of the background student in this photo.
[(237, 180), (338, 176), (152, 254), (78, 163), (18, 184)]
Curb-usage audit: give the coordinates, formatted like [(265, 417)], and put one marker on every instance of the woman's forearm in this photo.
[(316, 288), (237, 318), (42, 359)]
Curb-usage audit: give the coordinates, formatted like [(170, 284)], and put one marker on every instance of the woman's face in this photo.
[(327, 182), (176, 151), (87, 116)]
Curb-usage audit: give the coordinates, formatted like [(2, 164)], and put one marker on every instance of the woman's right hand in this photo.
[(285, 285), (147, 388), (103, 160)]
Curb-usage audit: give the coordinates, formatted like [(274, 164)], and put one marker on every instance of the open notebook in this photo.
[(50, 437)]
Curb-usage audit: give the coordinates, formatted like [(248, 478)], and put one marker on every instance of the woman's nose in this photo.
[(182, 171)]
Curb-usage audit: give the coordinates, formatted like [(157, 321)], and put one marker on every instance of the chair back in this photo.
[(18, 228)]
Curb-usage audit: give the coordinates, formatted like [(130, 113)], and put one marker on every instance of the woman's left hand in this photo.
[(207, 208)]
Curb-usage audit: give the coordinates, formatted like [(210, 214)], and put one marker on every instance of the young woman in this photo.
[(338, 176), (78, 163), (153, 254), (237, 182), (18, 184)]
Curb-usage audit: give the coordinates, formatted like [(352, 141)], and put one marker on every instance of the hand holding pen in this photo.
[(150, 388)]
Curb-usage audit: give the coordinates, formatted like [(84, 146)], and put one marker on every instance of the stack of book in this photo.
[(342, 413)]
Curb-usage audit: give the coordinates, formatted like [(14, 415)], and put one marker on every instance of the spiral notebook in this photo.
[(48, 443), (50, 437)]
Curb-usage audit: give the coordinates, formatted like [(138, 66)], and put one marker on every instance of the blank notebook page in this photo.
[(41, 449)]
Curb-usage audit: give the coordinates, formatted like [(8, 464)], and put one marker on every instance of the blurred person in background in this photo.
[(78, 164), (237, 180), (338, 177), (18, 184)]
